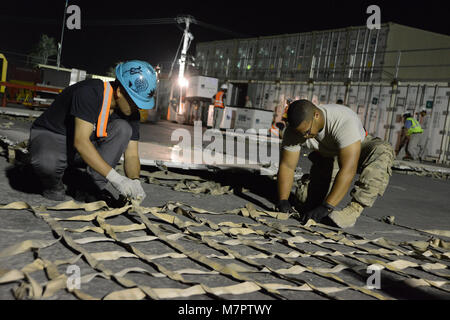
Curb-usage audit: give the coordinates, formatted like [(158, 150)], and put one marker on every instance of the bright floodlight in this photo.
[(183, 82)]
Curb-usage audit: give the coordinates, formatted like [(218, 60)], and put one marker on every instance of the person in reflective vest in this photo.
[(219, 105), (274, 131), (90, 125), (410, 137)]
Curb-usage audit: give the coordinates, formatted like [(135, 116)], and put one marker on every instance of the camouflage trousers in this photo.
[(374, 169)]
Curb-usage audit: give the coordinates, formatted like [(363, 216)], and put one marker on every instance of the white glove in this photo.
[(138, 192), (123, 184)]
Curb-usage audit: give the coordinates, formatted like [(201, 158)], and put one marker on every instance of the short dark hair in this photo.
[(115, 84), (299, 111), (340, 101)]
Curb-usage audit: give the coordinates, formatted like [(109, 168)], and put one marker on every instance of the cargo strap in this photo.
[(271, 235)]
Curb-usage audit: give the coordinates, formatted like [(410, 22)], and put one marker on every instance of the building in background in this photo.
[(354, 53), (380, 74)]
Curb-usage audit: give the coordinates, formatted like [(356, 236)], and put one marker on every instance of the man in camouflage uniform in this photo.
[(342, 148)]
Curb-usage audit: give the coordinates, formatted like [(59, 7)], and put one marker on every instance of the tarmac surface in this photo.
[(234, 248)]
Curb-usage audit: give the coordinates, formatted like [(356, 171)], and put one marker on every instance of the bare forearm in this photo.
[(132, 167), (340, 187), (92, 158), (285, 180)]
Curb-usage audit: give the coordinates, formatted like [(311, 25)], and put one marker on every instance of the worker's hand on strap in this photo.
[(123, 184), (285, 206), (138, 192), (318, 213)]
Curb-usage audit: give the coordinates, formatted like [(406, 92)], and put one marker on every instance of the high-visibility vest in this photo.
[(415, 127), (285, 114), (103, 117), (275, 131), (218, 103)]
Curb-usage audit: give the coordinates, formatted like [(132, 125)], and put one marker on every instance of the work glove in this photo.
[(285, 206), (138, 192), (318, 213), (123, 184)]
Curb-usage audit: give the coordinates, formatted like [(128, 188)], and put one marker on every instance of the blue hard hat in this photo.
[(139, 80)]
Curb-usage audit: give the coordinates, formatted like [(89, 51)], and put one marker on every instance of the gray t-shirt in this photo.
[(342, 128)]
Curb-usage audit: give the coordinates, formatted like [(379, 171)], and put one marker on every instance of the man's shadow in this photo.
[(240, 180), (21, 177)]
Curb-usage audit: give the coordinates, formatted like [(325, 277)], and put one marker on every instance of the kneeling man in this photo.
[(342, 148), (94, 123)]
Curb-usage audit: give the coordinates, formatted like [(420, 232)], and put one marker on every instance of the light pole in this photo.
[(58, 60), (187, 38)]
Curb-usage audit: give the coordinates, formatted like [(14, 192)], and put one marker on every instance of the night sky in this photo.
[(95, 48)]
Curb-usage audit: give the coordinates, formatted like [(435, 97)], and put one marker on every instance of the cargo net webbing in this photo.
[(232, 255)]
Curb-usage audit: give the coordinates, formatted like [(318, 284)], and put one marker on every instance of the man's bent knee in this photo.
[(120, 128)]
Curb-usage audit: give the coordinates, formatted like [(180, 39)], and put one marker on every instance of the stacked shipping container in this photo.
[(290, 57), (355, 53), (354, 64)]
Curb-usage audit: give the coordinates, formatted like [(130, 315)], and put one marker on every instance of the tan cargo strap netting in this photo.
[(270, 235), (421, 170), (186, 183)]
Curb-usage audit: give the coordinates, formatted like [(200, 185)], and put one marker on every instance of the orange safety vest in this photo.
[(103, 117), (275, 131), (218, 103)]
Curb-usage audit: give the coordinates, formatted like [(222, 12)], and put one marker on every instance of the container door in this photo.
[(341, 93), (434, 130), (372, 114), (382, 117), (361, 102), (400, 109), (259, 96), (333, 94), (302, 92), (242, 59), (352, 102), (412, 98), (323, 93)]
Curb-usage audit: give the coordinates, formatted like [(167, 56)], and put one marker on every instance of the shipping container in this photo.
[(357, 53), (353, 64), (202, 87), (437, 106)]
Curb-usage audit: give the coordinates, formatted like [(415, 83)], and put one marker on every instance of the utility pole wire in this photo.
[(58, 59), (124, 22)]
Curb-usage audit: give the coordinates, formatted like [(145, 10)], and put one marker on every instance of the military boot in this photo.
[(55, 193), (346, 218)]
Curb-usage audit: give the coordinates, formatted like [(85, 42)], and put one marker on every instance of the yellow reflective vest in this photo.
[(415, 127)]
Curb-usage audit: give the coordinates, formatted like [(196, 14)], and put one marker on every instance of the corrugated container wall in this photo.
[(355, 53), (290, 57), (279, 67)]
